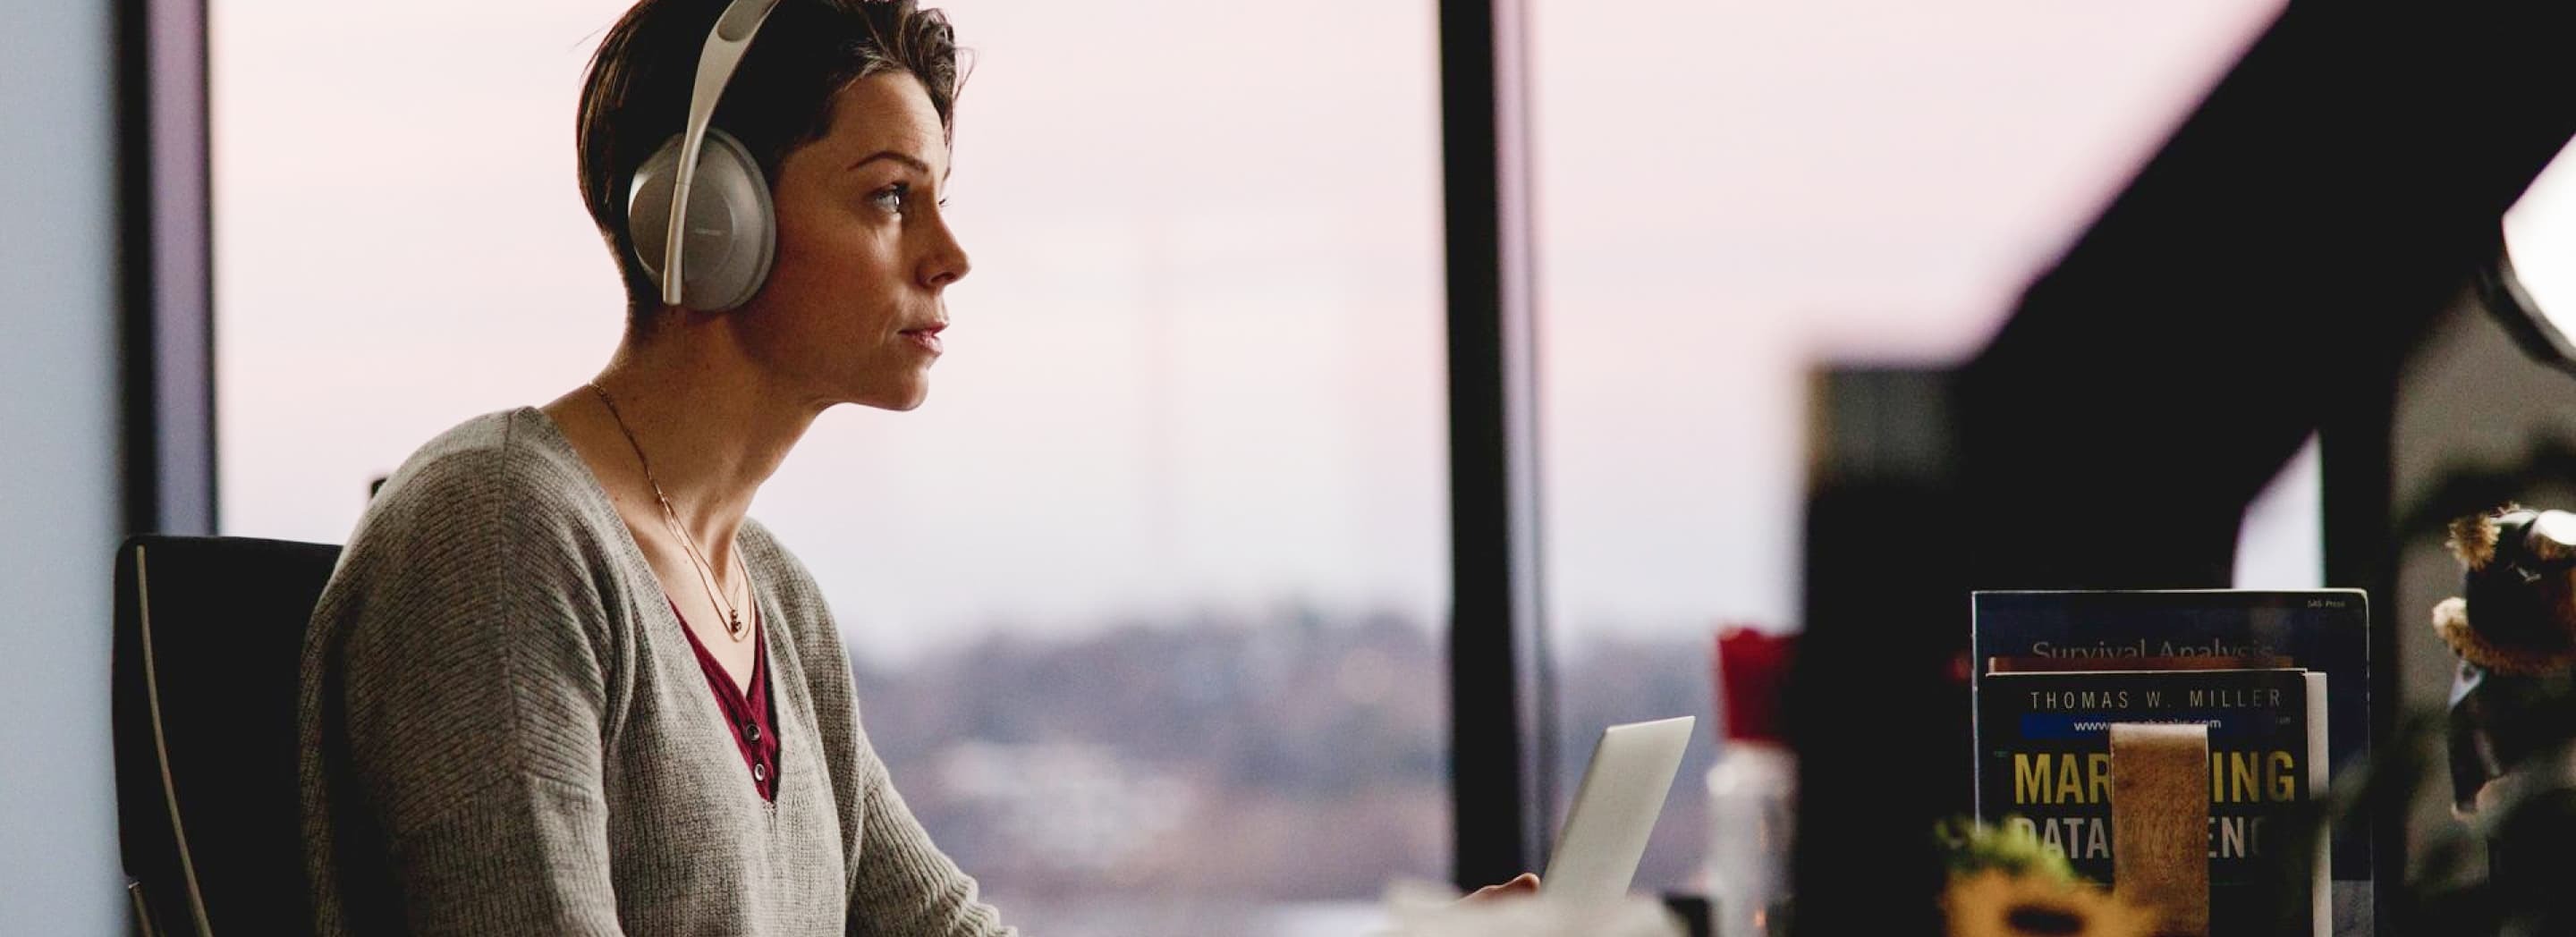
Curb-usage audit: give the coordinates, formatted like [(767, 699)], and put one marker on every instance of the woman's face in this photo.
[(852, 309)]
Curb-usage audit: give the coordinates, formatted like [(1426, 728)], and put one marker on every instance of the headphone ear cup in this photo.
[(732, 230)]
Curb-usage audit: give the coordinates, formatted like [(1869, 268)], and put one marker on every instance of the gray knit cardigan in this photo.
[(505, 731)]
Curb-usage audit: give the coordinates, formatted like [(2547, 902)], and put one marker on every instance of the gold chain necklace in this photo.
[(706, 571)]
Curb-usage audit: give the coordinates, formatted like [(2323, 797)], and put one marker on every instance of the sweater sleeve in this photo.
[(903, 886), (471, 670)]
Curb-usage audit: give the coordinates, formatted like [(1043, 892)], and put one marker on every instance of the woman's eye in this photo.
[(893, 198)]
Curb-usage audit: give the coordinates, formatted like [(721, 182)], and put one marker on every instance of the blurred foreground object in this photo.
[(2160, 822), (2008, 885), (1752, 790), (1995, 903), (2529, 284), (2518, 579), (2511, 711), (2260, 280), (2514, 630), (1424, 910)]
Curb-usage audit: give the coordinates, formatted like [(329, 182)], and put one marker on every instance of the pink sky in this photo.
[(1199, 361)]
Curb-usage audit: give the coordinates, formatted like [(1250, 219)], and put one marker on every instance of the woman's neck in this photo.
[(710, 428)]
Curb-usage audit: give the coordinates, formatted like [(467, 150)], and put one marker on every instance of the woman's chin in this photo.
[(897, 399)]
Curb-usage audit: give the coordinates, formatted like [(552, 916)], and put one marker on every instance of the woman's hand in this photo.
[(1526, 884)]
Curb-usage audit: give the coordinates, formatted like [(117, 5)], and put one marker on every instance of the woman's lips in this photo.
[(926, 338)]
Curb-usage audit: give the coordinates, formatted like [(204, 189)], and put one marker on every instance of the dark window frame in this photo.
[(1502, 703), (165, 267)]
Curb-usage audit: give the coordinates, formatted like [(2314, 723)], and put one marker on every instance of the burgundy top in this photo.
[(750, 717)]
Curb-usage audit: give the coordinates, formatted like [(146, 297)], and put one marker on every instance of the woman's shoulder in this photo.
[(513, 448), (508, 470), (495, 514)]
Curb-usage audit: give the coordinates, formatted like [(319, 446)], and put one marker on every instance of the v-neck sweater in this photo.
[(505, 730), (746, 707)]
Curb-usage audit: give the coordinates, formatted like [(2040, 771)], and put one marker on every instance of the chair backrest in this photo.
[(209, 645)]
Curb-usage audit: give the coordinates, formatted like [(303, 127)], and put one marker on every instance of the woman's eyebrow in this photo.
[(900, 157), (904, 158)]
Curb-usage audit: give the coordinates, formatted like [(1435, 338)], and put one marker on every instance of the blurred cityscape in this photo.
[(1246, 774)]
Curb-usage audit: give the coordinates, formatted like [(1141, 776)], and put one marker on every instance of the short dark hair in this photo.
[(636, 94)]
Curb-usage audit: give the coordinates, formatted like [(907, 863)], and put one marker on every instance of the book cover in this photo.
[(2047, 773), (2326, 630)]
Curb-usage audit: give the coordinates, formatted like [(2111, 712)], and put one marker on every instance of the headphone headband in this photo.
[(724, 49)]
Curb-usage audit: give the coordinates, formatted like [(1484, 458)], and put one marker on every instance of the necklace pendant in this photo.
[(733, 626)]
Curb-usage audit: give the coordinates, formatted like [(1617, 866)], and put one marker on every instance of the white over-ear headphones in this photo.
[(730, 229)]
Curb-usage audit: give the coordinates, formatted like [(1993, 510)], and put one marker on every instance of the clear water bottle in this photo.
[(1752, 790)]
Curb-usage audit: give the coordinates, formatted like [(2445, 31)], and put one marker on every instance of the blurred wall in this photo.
[(58, 483)]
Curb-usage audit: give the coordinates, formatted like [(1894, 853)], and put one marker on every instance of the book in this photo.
[(2326, 630), (2047, 773)]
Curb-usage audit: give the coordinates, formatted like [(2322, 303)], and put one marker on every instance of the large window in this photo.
[(1730, 195), (1145, 602)]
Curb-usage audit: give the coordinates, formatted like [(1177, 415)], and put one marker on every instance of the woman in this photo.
[(560, 684)]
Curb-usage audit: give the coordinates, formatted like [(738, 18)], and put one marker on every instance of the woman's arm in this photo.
[(900, 884), (466, 665), (903, 886)]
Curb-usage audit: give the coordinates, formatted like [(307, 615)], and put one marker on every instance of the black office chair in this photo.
[(209, 640)]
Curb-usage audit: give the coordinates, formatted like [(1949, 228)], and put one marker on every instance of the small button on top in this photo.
[(751, 731)]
